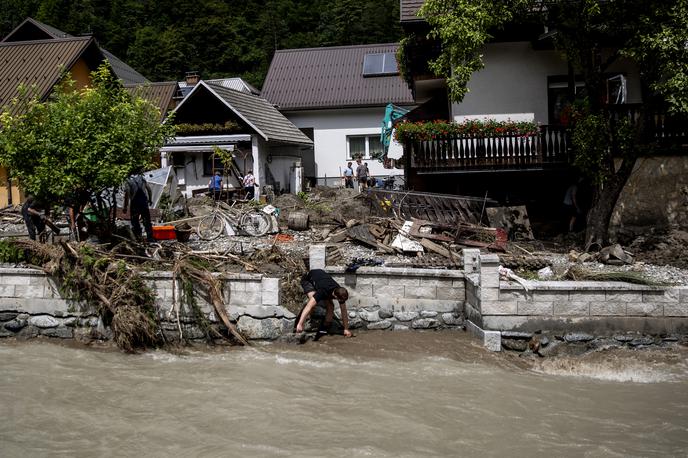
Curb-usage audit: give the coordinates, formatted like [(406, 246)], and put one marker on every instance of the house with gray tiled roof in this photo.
[(213, 115), (337, 96)]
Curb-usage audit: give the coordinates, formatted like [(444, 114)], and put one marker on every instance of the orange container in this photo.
[(164, 233)]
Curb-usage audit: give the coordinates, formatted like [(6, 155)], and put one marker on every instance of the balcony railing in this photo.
[(507, 150)]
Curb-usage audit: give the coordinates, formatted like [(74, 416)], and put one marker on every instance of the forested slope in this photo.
[(163, 39)]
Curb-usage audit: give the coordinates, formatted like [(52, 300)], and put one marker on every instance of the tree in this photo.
[(80, 144), (592, 34)]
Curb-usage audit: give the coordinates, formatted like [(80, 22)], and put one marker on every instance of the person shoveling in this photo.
[(36, 214), (320, 286)]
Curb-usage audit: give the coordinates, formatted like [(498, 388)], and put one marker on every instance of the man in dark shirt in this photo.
[(138, 193), (33, 216), (320, 286)]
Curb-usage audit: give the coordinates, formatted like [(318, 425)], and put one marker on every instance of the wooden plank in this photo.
[(439, 249)]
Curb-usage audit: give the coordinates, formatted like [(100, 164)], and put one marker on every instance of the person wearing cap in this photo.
[(215, 185), (320, 286)]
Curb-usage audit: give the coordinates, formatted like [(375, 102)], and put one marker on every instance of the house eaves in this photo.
[(256, 112), (203, 143)]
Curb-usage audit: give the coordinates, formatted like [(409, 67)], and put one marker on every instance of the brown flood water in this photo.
[(379, 394)]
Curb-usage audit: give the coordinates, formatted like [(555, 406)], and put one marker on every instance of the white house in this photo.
[(337, 97), (259, 137)]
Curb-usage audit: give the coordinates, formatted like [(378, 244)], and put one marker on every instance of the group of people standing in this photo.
[(248, 182), (361, 175)]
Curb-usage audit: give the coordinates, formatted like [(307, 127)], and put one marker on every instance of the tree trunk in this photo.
[(603, 204)]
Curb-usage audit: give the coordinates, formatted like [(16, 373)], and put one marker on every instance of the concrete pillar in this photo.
[(471, 261), (258, 171), (316, 257)]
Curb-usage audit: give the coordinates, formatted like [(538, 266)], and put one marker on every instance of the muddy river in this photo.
[(378, 394)]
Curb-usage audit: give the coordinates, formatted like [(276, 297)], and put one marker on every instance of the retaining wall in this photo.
[(380, 298), (31, 304), (600, 308), (398, 298)]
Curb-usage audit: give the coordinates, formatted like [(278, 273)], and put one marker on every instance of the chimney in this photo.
[(192, 78)]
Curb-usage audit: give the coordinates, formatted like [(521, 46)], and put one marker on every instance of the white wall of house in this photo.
[(192, 177), (513, 83), (332, 131)]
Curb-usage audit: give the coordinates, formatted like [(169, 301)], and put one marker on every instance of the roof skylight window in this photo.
[(380, 64)]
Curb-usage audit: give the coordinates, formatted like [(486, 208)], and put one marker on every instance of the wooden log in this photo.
[(439, 249)]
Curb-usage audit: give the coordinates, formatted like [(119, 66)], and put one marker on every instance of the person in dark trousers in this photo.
[(349, 176), (138, 193), (320, 286), (249, 183), (34, 219), (215, 185), (361, 175)]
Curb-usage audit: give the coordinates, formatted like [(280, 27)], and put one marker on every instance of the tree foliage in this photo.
[(463, 27), (165, 38), (80, 144)]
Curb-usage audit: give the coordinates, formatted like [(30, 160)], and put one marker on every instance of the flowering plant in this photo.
[(431, 130)]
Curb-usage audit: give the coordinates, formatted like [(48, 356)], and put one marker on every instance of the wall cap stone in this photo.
[(571, 285), (403, 271)]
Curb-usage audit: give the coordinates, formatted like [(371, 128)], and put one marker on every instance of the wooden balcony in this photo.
[(504, 151), (551, 147)]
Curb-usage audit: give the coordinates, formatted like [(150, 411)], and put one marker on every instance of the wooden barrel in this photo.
[(297, 221)]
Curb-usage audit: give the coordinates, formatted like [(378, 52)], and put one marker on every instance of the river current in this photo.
[(378, 394)]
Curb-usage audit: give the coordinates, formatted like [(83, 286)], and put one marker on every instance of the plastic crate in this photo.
[(164, 233)]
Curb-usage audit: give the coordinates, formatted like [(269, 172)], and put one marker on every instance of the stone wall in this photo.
[(595, 307), (398, 298), (31, 304), (656, 195)]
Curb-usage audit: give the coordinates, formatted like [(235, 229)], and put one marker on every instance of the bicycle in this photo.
[(225, 218)]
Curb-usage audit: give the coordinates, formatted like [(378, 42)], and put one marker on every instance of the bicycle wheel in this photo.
[(255, 223), (210, 227)]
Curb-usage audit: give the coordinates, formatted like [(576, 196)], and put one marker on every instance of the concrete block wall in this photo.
[(31, 304), (597, 307), (399, 298)]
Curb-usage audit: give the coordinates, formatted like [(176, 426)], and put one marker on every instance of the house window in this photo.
[(178, 159), (558, 97), (209, 168), (558, 94), (380, 64), (363, 146), (374, 146)]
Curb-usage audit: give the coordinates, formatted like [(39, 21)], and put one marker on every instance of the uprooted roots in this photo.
[(116, 290)]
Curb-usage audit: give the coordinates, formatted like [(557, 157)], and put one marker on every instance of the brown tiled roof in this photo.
[(408, 10), (159, 94), (312, 78), (31, 29), (39, 63)]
